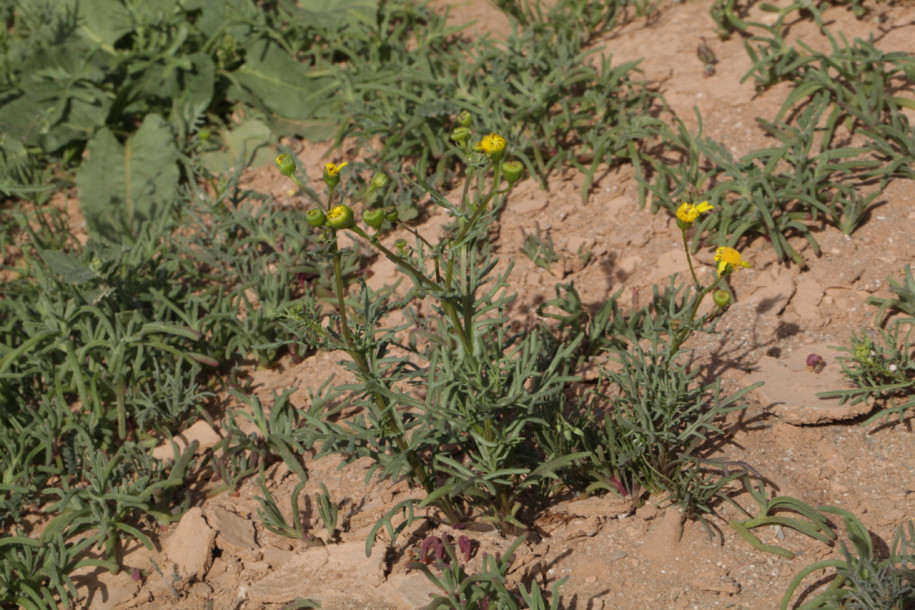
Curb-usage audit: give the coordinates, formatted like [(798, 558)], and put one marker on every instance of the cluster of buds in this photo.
[(341, 216), (492, 146)]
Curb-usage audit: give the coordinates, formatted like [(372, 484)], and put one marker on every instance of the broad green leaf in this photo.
[(68, 266), (104, 22), (224, 16), (122, 186), (249, 144), (282, 85), (331, 14)]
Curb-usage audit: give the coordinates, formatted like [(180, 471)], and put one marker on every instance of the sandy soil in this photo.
[(616, 555)]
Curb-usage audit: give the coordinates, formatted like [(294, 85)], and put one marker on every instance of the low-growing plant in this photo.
[(654, 413), (813, 523), (904, 300), (484, 386), (491, 424), (118, 490), (862, 580), (881, 368), (487, 588), (328, 511), (776, 191), (35, 574), (274, 519), (539, 248)]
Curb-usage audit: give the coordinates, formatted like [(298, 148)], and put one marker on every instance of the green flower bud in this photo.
[(379, 181), (401, 246), (465, 118), (461, 134), (722, 298), (315, 217), (286, 165), (341, 217), (391, 214), (512, 171), (373, 218)]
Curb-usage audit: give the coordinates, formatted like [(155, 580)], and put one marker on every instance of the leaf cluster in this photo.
[(881, 368), (862, 580), (93, 71)]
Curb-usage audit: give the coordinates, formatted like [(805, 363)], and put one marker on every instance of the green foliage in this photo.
[(476, 413), (813, 523), (863, 581), (104, 350), (327, 511), (854, 93), (274, 519), (905, 297), (118, 488), (78, 73), (408, 74), (539, 249), (487, 588), (121, 188), (880, 367)]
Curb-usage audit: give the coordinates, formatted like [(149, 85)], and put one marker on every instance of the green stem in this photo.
[(683, 334), (689, 258), (418, 275), (388, 420)]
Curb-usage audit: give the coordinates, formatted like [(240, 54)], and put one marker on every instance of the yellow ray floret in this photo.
[(493, 144), (332, 169), (688, 213), (729, 259)]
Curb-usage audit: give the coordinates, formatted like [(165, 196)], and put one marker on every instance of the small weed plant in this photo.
[(475, 414)]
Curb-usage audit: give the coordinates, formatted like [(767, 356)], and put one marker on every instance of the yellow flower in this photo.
[(332, 173), (332, 170), (493, 145), (729, 259), (688, 213)]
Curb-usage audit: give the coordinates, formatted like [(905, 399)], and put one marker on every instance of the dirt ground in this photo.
[(616, 555)]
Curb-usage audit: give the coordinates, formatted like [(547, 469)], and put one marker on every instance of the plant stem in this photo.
[(389, 422), (689, 258)]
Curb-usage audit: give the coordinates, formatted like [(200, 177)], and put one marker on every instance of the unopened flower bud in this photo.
[(315, 217), (722, 298), (379, 180), (373, 218), (401, 246), (341, 217), (286, 165), (512, 171), (461, 134), (391, 214), (465, 118)]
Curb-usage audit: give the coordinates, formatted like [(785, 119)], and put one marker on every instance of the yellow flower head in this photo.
[(332, 170), (689, 213), (493, 145), (729, 259)]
